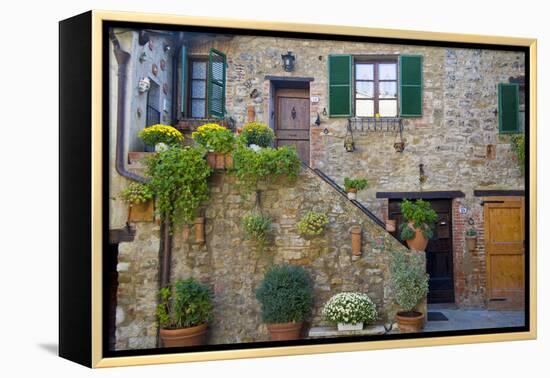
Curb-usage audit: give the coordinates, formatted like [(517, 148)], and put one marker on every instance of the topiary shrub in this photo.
[(350, 308), (155, 134), (258, 134), (214, 138), (286, 294), (409, 279), (187, 303)]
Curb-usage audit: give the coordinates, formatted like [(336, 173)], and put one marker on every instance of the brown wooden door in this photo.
[(505, 251), (292, 120), (439, 252)]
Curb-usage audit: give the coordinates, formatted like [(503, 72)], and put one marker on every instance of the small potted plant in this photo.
[(352, 186), (410, 284), (257, 134), (256, 227), (350, 311), (160, 137), (140, 200), (417, 228), (312, 224), (471, 239), (219, 141), (183, 313), (286, 297)]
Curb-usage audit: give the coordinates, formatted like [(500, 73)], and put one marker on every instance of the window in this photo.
[(153, 106), (375, 88), (197, 104)]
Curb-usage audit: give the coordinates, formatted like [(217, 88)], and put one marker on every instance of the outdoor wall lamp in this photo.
[(318, 120), (288, 61)]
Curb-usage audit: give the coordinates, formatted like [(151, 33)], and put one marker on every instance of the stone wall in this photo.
[(233, 266)]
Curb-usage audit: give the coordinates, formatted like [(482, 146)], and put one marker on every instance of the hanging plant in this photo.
[(256, 227), (179, 179), (518, 146), (136, 193), (312, 224)]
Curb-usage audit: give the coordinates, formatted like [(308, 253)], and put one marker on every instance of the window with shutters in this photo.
[(197, 90), (375, 88)]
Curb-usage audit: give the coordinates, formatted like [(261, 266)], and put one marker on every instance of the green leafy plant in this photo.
[(421, 215), (258, 134), (409, 279), (256, 227), (155, 134), (518, 145), (215, 138), (286, 294), (350, 308), (179, 180), (471, 232), (313, 223), (266, 165), (187, 303), (357, 184), (136, 192)]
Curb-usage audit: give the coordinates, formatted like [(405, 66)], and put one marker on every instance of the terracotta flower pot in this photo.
[(181, 337), (218, 160), (141, 212), (471, 242), (199, 230), (356, 240), (284, 331), (391, 225), (419, 242), (410, 321), (352, 193)]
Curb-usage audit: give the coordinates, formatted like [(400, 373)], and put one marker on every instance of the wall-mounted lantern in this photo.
[(288, 61)]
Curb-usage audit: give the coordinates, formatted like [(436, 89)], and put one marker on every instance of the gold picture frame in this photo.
[(97, 19)]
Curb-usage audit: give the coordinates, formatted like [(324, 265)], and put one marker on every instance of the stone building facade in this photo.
[(454, 151)]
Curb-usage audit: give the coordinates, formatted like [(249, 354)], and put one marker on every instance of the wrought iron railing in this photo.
[(373, 124)]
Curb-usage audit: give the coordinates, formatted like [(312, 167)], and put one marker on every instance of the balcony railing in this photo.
[(364, 125)]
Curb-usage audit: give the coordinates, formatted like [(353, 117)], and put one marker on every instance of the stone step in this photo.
[(316, 332)]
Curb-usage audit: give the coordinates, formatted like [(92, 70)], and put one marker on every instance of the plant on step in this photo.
[(265, 165), (421, 215), (136, 193), (187, 303), (286, 294), (179, 179), (518, 146), (471, 233), (312, 223), (256, 227), (214, 138), (409, 279), (258, 134), (350, 308), (354, 184), (155, 134)]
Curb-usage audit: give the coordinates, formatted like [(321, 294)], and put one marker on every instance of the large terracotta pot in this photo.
[(141, 212), (471, 242), (419, 242), (409, 322), (181, 337), (218, 160), (356, 240), (284, 331)]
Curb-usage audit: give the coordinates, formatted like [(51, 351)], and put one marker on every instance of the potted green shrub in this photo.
[(178, 177), (183, 313), (140, 202), (219, 141), (160, 137), (352, 186), (258, 134), (410, 284), (286, 297), (417, 228), (471, 239), (312, 224), (350, 311), (256, 227)]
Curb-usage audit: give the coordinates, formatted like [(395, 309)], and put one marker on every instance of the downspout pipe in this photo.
[(122, 58)]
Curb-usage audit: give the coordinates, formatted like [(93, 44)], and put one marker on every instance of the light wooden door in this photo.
[(292, 120), (505, 251)]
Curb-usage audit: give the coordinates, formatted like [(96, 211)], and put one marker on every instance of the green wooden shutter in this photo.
[(410, 85), (340, 84), (508, 108), (183, 81), (216, 83)]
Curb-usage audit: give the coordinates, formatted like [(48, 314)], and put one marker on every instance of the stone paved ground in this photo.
[(473, 319)]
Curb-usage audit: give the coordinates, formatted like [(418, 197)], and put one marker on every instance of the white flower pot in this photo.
[(350, 327), (159, 147), (352, 195)]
